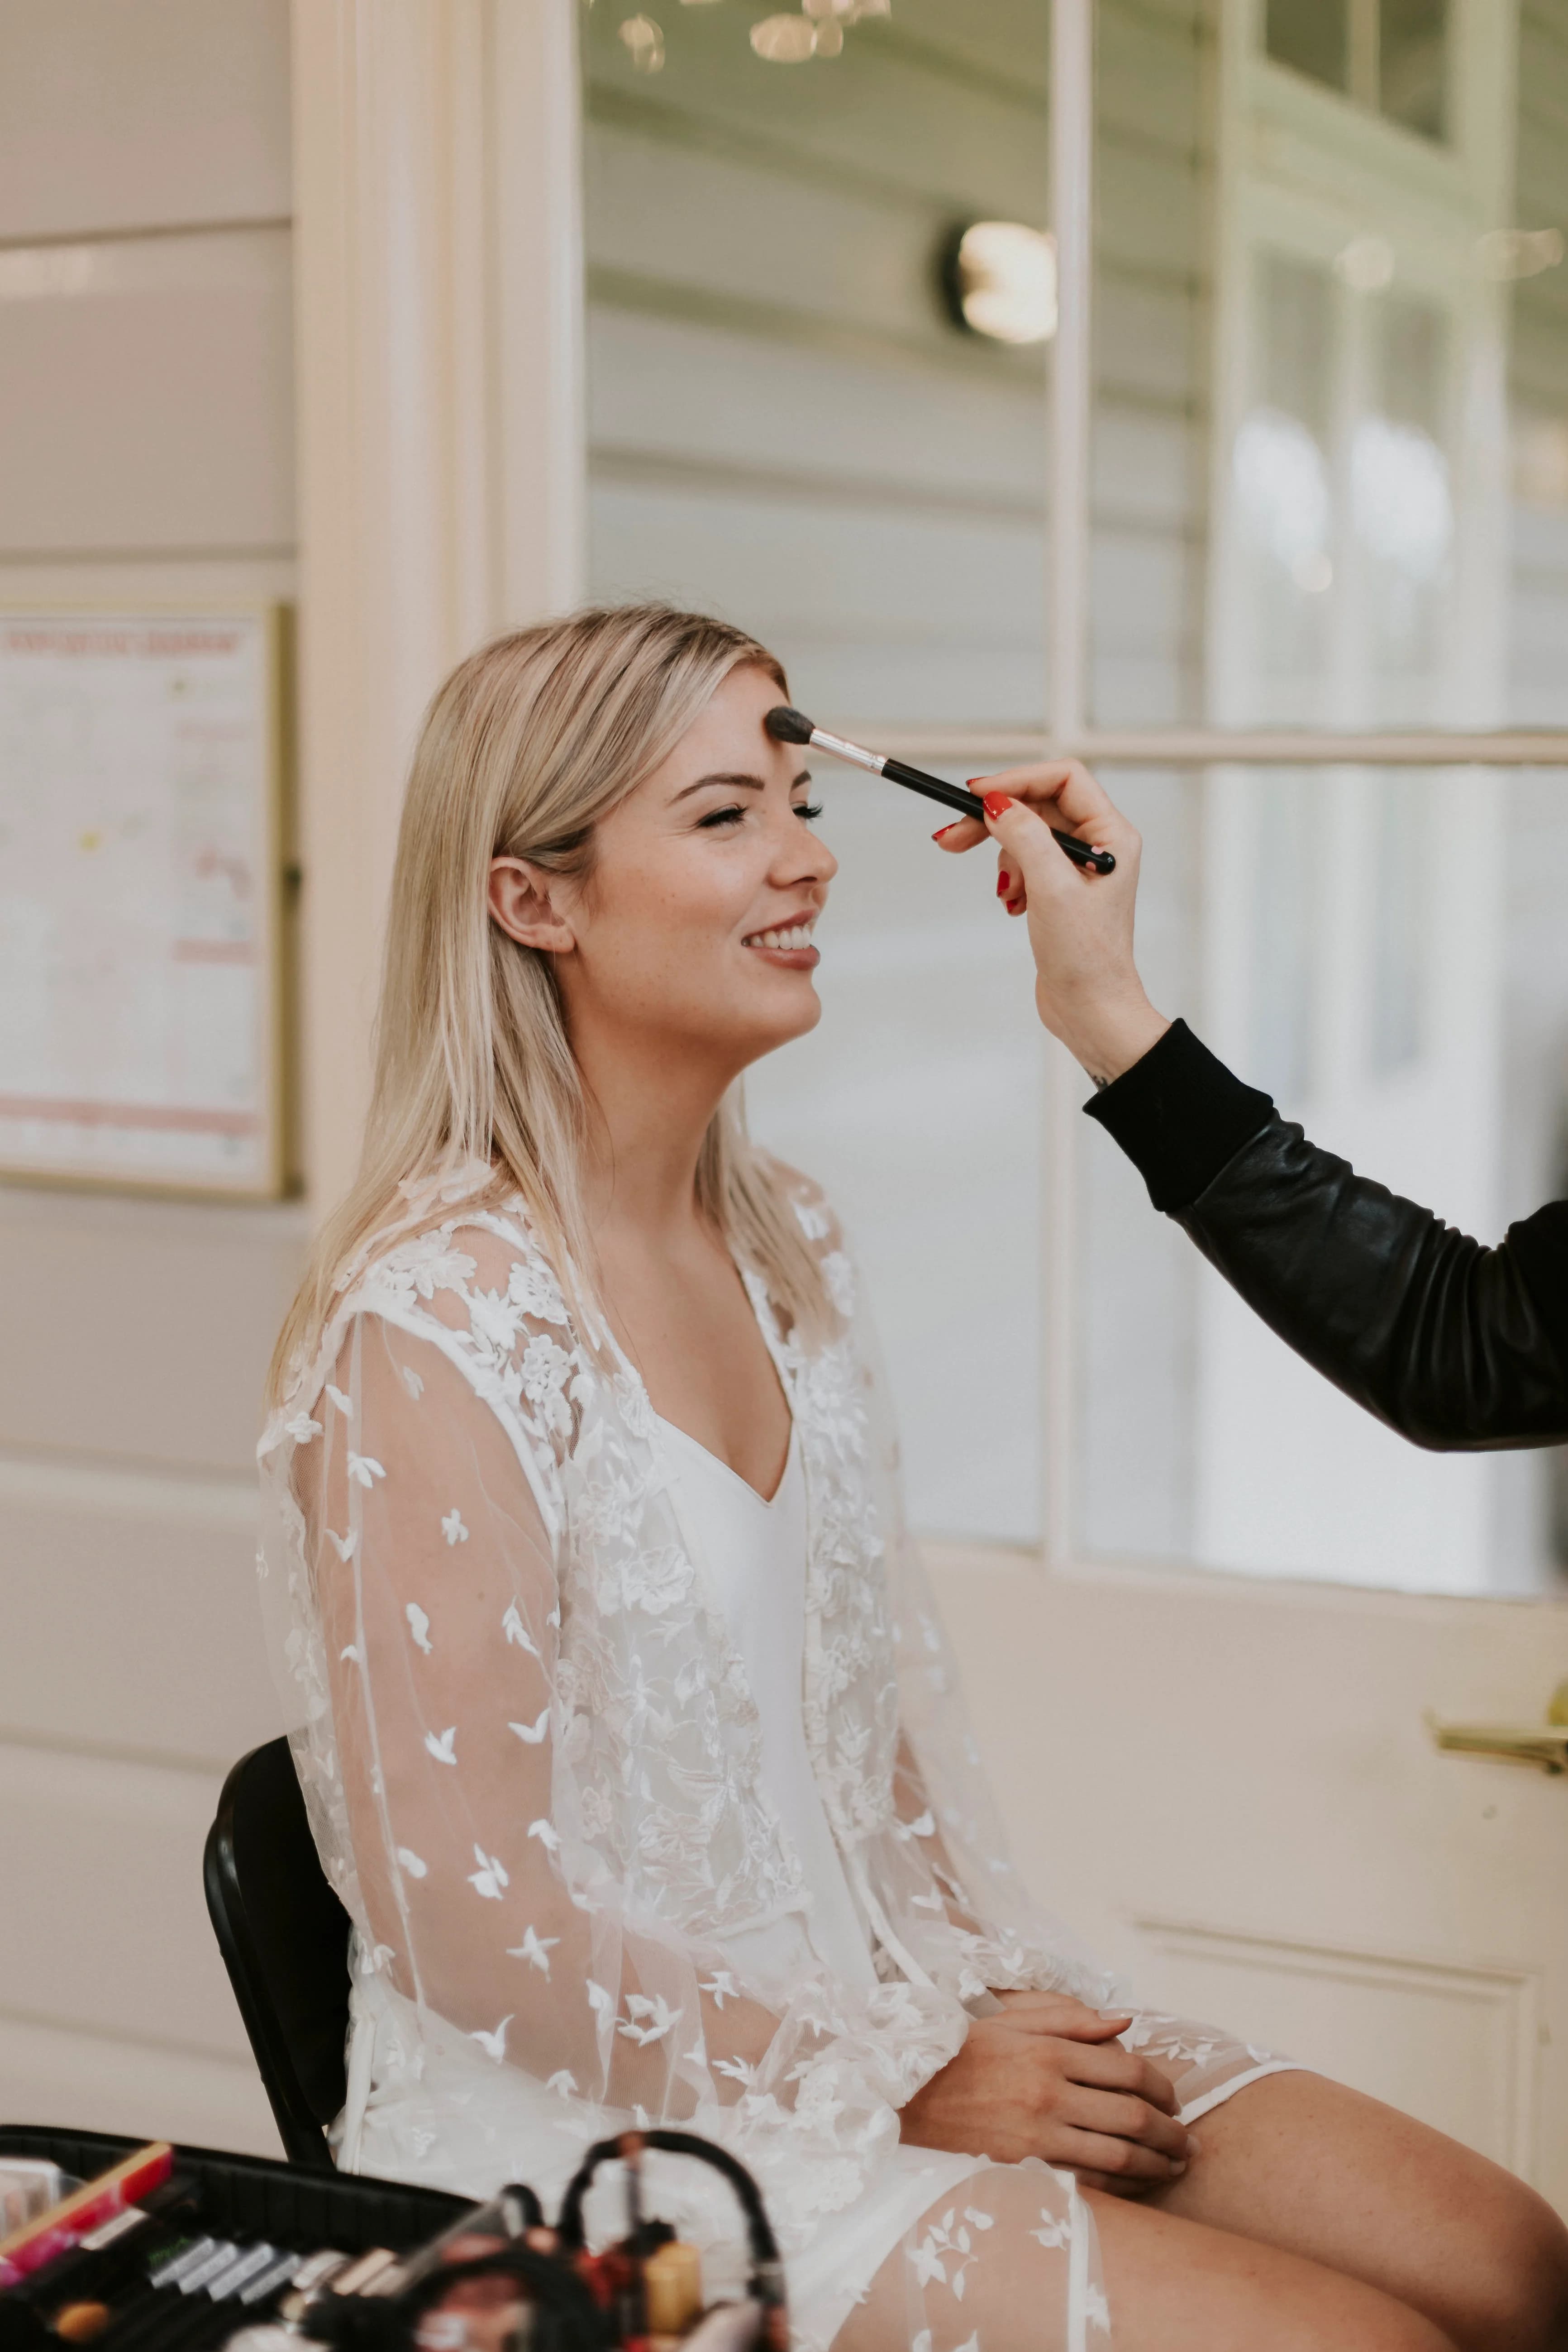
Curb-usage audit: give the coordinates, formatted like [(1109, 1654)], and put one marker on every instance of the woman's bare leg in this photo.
[(1169, 2285), (1302, 2164)]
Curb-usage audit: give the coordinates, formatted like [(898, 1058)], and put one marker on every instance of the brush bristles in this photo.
[(787, 726)]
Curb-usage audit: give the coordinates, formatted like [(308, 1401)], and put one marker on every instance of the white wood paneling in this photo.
[(875, 612), (194, 449), (175, 1306), (165, 113), (669, 388), (757, 230), (131, 1615), (1455, 2046), (95, 2082), (146, 441), (104, 1925)]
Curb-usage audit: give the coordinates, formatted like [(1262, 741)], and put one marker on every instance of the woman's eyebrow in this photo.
[(736, 783)]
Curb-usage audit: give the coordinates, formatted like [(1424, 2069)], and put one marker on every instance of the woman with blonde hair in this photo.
[(628, 1736)]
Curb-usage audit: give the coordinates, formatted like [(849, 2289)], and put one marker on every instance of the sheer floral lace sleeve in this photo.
[(441, 1616)]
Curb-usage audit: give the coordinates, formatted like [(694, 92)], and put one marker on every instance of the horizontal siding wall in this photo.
[(784, 424), (146, 454)]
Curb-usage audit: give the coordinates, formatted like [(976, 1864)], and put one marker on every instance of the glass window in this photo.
[(1413, 64), (1329, 492), (1391, 56), (785, 421), (1385, 952), (1312, 36)]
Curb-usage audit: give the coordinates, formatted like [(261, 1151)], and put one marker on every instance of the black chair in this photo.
[(284, 1937)]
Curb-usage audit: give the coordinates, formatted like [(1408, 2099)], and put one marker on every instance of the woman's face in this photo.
[(694, 928)]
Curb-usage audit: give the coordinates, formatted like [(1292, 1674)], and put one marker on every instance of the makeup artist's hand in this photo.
[(1081, 923), (1047, 2077)]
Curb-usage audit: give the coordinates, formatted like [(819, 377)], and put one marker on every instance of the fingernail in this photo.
[(1004, 884), (997, 804), (1195, 2145), (943, 830), (1015, 905), (1177, 2168)]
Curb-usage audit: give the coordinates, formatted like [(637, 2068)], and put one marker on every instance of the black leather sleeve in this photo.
[(1456, 1346)]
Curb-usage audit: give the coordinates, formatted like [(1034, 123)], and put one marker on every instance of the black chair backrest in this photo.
[(284, 1939)]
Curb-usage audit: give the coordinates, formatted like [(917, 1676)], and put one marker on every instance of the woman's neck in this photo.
[(648, 1115)]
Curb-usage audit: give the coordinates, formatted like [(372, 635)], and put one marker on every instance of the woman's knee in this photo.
[(1509, 2292)]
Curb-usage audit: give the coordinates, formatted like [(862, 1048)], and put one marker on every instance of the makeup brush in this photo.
[(787, 726)]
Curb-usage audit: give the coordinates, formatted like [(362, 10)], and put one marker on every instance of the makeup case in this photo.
[(259, 2197)]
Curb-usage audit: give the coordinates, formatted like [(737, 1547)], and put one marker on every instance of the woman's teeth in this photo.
[(797, 935)]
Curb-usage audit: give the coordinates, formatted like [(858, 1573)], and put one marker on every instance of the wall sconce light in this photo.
[(999, 280)]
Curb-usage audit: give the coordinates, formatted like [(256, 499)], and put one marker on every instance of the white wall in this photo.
[(146, 452)]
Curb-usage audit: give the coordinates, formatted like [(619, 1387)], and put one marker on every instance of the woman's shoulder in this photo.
[(470, 1278), (451, 1264)]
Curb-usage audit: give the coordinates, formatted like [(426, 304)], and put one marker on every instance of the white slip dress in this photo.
[(755, 1556)]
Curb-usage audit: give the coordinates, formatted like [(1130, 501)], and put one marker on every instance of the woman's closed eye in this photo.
[(808, 811)]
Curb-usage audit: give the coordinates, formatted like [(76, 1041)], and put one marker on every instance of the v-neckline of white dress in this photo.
[(717, 1462)]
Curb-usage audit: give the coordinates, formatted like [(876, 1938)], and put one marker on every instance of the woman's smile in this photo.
[(788, 943)]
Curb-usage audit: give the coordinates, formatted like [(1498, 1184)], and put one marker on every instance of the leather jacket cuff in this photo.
[(1180, 1116)]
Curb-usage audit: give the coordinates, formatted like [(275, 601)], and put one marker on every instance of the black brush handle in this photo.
[(954, 796)]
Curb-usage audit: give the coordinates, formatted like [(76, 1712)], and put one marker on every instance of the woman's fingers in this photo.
[(1066, 792), (1122, 2070), (1123, 2161), (1116, 2117), (965, 832), (1060, 2013)]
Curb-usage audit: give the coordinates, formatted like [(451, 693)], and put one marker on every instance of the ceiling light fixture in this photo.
[(999, 278), (817, 32)]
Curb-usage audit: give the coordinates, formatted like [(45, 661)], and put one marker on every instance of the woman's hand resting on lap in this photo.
[(1048, 2078)]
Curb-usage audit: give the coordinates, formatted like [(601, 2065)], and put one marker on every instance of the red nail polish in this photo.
[(997, 804), (943, 830), (1004, 884)]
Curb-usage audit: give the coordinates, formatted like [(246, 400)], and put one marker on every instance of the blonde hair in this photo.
[(528, 744)]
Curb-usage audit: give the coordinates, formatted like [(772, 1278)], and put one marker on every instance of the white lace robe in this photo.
[(530, 1762)]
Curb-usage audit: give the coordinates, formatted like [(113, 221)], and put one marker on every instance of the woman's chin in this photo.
[(781, 1022)]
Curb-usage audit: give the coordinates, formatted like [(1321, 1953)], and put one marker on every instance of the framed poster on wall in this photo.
[(141, 873)]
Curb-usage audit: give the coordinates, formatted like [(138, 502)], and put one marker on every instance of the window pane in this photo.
[(1386, 953), (1330, 477), (1534, 295), (1413, 64), (1313, 35), (786, 424), (789, 428)]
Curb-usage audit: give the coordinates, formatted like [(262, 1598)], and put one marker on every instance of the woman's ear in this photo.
[(521, 902)]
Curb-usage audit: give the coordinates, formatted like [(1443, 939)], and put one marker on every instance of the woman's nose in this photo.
[(800, 855)]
